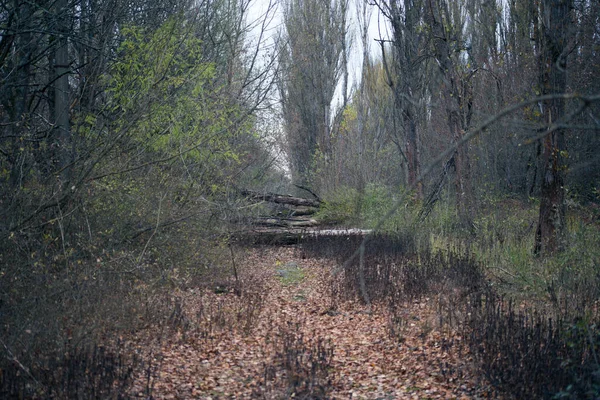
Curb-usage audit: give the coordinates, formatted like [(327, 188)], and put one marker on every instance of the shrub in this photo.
[(339, 207), (75, 372), (300, 367), (529, 353)]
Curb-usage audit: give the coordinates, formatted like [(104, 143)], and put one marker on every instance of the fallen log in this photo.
[(281, 198), (289, 236), (285, 222), (298, 211), (273, 237)]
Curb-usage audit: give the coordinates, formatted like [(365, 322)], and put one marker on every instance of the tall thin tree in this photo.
[(405, 76), (311, 68), (445, 24), (554, 46)]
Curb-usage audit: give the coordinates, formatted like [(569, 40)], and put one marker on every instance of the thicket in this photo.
[(98, 226), (500, 237)]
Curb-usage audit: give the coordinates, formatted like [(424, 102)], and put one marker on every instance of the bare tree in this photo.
[(555, 47), (311, 64), (406, 77), (445, 23)]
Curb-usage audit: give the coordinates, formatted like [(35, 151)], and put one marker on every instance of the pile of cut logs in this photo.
[(296, 212), (292, 218), (293, 221)]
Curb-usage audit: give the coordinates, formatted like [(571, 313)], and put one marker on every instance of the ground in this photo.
[(290, 337)]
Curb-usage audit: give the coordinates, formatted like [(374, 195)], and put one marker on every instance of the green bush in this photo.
[(339, 207), (349, 207)]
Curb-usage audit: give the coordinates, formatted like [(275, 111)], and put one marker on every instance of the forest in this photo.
[(312, 199)]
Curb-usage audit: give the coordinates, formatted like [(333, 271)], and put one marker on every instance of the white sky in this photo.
[(257, 11), (256, 15)]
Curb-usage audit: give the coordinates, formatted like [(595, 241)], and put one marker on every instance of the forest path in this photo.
[(226, 349)]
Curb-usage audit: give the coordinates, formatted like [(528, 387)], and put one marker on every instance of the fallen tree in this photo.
[(285, 222), (281, 199), (291, 213), (287, 236)]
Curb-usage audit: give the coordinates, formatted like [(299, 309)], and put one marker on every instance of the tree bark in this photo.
[(552, 226), (413, 154), (284, 222), (458, 99), (61, 92)]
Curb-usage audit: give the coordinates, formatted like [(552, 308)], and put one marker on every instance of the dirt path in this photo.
[(226, 349)]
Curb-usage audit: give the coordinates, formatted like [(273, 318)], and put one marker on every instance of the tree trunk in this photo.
[(457, 96), (412, 154), (17, 90), (551, 228), (61, 92)]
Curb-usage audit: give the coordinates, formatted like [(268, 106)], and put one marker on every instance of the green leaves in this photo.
[(169, 96)]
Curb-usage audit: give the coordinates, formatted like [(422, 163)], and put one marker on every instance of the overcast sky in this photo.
[(258, 8)]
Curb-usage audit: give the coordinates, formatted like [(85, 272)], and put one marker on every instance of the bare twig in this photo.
[(14, 359), (309, 191), (154, 231), (235, 271), (363, 283)]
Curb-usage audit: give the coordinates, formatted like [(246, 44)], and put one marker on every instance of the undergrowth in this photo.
[(530, 323), (61, 340), (525, 349), (500, 236), (300, 366), (75, 372)]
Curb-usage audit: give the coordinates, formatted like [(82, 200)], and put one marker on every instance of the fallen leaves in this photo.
[(237, 361)]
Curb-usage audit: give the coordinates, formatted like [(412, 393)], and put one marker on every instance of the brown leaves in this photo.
[(367, 362)]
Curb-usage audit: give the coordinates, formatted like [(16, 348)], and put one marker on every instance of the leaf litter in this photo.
[(226, 346)]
